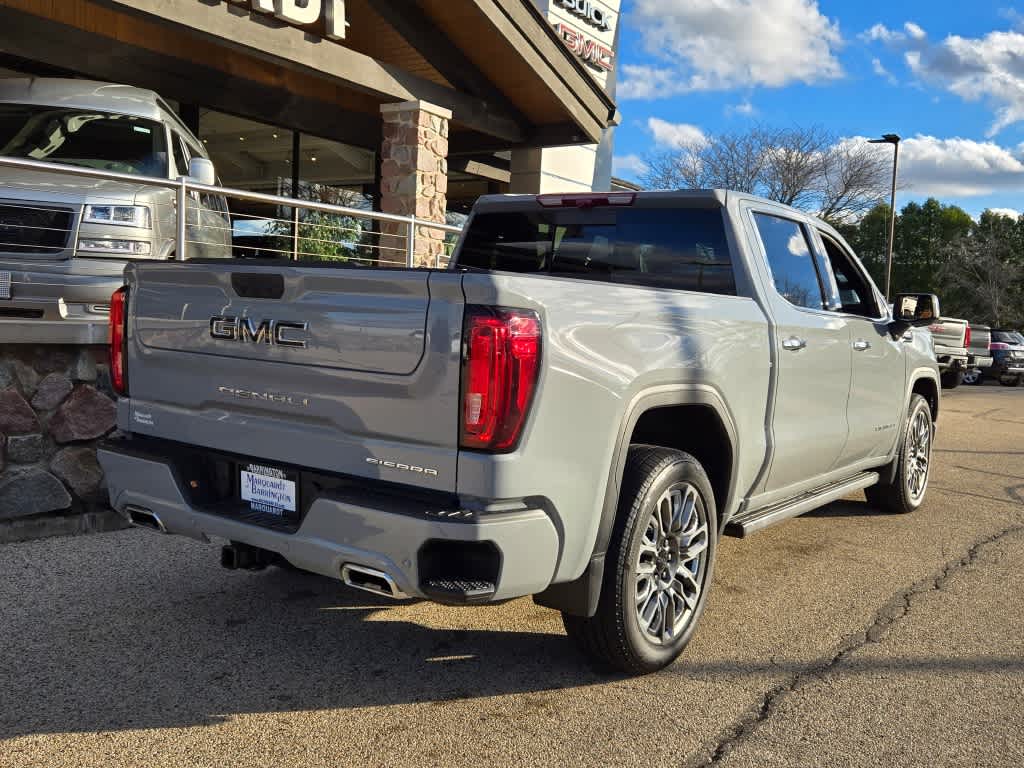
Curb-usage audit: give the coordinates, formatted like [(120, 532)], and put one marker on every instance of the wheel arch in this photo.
[(654, 418), (928, 388)]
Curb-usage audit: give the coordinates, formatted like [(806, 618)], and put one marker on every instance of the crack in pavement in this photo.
[(886, 616)]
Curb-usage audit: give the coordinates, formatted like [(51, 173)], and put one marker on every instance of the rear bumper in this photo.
[(63, 302), (337, 532)]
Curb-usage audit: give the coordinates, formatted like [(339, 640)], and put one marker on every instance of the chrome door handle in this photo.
[(793, 343), (860, 345)]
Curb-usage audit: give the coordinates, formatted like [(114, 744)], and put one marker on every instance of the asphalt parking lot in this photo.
[(842, 638)]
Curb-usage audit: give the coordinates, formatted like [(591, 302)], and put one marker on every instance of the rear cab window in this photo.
[(681, 247)]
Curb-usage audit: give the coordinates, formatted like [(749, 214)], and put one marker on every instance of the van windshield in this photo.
[(101, 140)]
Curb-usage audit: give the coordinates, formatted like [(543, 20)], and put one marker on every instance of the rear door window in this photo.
[(679, 248), (790, 259)]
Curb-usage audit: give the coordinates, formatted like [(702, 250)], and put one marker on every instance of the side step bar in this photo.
[(748, 522)]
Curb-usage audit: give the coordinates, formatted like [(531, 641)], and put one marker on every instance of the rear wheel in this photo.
[(913, 463), (952, 379), (1010, 381), (658, 566), (972, 376)]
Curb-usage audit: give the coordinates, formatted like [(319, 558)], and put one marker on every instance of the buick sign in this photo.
[(590, 12)]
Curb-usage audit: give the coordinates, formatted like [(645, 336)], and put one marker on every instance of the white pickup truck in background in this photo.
[(951, 337)]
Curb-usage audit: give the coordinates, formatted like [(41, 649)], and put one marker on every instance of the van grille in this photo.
[(33, 228)]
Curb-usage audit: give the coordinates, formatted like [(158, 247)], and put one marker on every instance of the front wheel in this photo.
[(658, 567), (972, 376), (905, 492)]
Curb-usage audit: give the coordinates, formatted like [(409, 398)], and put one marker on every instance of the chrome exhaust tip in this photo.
[(371, 580), (141, 517)]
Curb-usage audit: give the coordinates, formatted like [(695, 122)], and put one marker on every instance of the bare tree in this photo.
[(985, 277), (808, 168)]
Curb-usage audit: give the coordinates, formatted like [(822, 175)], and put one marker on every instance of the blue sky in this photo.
[(948, 77)]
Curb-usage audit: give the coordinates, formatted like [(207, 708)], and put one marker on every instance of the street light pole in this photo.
[(894, 139)]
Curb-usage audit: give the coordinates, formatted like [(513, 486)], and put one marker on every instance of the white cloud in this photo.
[(628, 165), (744, 109), (705, 45), (914, 32), (989, 68), (879, 69), (1011, 212), (675, 135), (958, 167)]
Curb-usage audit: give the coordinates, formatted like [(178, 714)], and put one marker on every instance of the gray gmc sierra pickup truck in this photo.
[(598, 388)]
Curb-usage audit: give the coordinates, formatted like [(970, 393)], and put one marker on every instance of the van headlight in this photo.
[(118, 247), (122, 215)]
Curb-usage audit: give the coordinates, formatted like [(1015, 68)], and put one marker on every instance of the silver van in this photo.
[(65, 239)]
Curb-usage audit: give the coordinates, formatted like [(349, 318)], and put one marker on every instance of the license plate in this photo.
[(5, 285), (267, 489)]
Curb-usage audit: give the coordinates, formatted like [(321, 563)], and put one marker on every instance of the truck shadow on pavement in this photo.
[(195, 650), (190, 650)]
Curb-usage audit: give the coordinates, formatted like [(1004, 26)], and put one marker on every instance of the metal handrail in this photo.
[(183, 185)]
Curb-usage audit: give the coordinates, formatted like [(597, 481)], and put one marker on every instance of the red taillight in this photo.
[(999, 346), (967, 337), (499, 375), (118, 340)]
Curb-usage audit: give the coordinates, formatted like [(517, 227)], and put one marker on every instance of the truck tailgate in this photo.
[(354, 371)]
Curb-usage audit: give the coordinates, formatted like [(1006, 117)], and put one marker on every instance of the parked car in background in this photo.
[(1007, 357), (979, 355), (65, 239), (598, 388), (951, 338)]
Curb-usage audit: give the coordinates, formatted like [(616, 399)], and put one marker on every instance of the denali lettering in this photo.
[(590, 13), (401, 466), (267, 397), (231, 328)]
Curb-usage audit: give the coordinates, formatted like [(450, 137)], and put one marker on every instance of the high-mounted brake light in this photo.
[(588, 200), (119, 340), (499, 375)]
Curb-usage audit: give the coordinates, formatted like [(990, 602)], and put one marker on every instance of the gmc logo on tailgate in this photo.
[(279, 333)]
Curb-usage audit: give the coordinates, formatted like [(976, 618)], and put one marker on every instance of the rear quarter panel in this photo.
[(604, 346)]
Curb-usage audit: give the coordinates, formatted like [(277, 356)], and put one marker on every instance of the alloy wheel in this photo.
[(671, 564), (919, 447)]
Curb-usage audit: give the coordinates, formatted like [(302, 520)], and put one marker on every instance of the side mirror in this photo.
[(201, 171), (914, 310)]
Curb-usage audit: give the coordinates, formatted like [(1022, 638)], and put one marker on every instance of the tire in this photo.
[(952, 379), (638, 636), (1010, 381), (973, 376), (907, 489)]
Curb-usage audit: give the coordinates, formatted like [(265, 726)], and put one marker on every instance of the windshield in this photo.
[(107, 142), (1008, 337), (680, 248)]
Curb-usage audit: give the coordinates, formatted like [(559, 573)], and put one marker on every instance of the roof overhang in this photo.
[(496, 64)]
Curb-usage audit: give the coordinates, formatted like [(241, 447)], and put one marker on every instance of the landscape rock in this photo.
[(7, 378), (31, 491), (25, 449), (85, 367), (16, 415), (51, 392), (26, 376), (84, 415), (79, 470)]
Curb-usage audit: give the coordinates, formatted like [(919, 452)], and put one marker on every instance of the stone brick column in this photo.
[(414, 177)]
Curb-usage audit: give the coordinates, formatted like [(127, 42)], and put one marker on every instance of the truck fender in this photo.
[(580, 596)]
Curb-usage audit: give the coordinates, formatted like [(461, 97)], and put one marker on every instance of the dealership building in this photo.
[(288, 93)]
